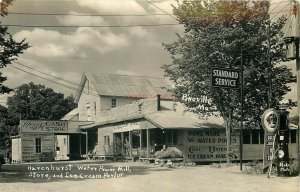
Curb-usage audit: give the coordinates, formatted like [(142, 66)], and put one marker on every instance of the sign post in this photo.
[(270, 123), (232, 79)]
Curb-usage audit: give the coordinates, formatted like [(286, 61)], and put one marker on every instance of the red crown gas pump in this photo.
[(276, 121), (283, 144)]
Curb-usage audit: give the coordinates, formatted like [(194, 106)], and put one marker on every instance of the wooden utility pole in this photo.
[(297, 33)]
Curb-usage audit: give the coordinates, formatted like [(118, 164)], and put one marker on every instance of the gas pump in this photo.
[(276, 121), (283, 141)]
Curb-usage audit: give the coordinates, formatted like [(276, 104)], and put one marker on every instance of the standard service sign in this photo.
[(227, 78)]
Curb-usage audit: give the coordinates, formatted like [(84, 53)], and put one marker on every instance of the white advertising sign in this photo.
[(36, 126)]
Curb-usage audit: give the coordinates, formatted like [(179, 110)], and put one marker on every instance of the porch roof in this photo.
[(168, 120), (174, 120), (98, 124)]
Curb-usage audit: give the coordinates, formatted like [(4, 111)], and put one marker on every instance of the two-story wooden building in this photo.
[(135, 116), (131, 121)]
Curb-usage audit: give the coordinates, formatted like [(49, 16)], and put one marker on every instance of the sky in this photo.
[(68, 52)]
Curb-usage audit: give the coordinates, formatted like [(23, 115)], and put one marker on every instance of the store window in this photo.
[(113, 102), (106, 140), (246, 137), (262, 136), (171, 137), (38, 145), (175, 137), (255, 136), (293, 136), (95, 109)]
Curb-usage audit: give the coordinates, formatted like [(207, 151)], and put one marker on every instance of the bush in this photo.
[(294, 171), (2, 159), (256, 168), (170, 152)]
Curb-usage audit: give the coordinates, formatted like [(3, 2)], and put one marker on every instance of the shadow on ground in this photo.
[(73, 171)]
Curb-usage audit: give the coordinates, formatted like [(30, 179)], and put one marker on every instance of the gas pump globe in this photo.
[(291, 44)]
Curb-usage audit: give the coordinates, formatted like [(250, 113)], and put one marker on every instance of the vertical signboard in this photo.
[(268, 148), (270, 122)]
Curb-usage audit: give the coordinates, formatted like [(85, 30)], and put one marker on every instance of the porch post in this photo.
[(148, 142), (86, 145), (141, 141), (80, 151), (172, 137), (130, 143), (122, 143)]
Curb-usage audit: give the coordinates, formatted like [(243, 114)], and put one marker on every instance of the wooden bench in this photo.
[(147, 159), (102, 157)]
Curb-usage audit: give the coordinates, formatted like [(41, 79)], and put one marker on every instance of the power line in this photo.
[(70, 87), (87, 15), (92, 26), (161, 10), (281, 10), (58, 83), (53, 81), (278, 4), (113, 15), (76, 84), (59, 78), (287, 25)]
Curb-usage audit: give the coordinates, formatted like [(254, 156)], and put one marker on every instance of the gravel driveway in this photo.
[(140, 177)]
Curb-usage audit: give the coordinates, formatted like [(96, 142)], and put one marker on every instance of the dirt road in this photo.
[(144, 177)]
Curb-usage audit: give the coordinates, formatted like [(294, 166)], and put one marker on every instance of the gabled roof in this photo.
[(126, 86), (71, 114)]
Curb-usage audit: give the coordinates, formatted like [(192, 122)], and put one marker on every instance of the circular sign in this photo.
[(270, 120), (280, 154)]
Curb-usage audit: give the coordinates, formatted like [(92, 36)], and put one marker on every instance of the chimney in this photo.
[(158, 102)]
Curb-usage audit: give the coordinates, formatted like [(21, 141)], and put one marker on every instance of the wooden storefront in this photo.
[(140, 138)]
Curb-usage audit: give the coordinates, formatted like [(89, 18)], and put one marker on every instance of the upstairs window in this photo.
[(113, 102), (95, 109), (38, 145), (106, 140)]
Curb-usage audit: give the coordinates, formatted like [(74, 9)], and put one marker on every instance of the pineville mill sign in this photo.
[(226, 78)]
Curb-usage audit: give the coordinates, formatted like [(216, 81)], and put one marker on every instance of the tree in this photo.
[(33, 102), (224, 34), (7, 129), (294, 120), (9, 48)]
